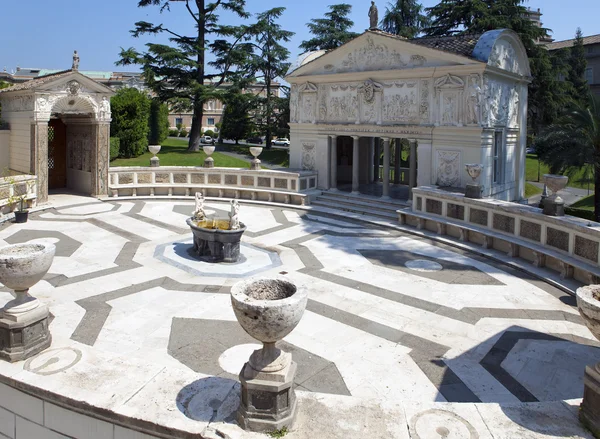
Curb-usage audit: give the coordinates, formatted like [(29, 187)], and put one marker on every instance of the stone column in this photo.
[(386, 167), (100, 159), (397, 160), (371, 162), (424, 152), (355, 165), (39, 158), (333, 163), (412, 171)]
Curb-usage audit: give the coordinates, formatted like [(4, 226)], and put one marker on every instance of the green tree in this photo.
[(158, 122), (130, 113), (573, 142), (578, 64), (546, 93), (332, 31), (177, 73), (404, 18), (266, 63), (237, 123)]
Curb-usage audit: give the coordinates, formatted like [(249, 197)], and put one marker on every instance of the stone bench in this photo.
[(565, 262), (252, 193)]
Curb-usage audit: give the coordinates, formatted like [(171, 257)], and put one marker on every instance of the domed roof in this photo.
[(305, 58)]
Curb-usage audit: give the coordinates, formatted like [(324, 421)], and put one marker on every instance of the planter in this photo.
[(214, 241), (268, 310), (21, 216), (588, 303), (24, 320), (255, 162), (473, 190), (209, 162), (154, 161)]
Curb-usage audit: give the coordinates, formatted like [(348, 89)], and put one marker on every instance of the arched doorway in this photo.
[(57, 154)]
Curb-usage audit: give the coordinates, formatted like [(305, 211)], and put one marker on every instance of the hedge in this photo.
[(115, 143)]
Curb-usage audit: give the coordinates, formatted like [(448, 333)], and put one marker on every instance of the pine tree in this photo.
[(404, 18), (578, 64), (267, 62), (177, 72), (330, 32), (237, 123)]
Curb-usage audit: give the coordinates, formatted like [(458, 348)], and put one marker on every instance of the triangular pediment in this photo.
[(59, 83), (377, 51)]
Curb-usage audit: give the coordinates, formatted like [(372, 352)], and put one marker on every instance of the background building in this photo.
[(592, 55)]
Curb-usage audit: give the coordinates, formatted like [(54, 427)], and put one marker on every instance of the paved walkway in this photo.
[(403, 337)]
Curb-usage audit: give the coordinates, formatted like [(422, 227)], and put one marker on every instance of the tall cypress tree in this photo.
[(177, 72), (332, 31), (578, 64)]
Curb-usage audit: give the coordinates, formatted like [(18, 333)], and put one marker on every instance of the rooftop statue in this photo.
[(75, 61), (374, 16)]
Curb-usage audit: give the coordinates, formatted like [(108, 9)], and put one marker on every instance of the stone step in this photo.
[(363, 203), (397, 204), (363, 209)]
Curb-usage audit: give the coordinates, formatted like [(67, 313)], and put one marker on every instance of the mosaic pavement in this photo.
[(391, 318)]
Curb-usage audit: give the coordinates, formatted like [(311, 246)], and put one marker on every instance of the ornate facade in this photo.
[(60, 132), (457, 101)]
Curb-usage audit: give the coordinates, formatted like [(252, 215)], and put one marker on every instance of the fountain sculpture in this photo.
[(268, 310), (24, 320), (216, 240)]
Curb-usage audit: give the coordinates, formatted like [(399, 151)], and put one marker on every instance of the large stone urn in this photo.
[(255, 162), (154, 161), (268, 310), (554, 205), (209, 162), (24, 320), (588, 302), (474, 189)]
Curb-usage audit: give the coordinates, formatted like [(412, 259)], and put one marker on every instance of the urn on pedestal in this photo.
[(154, 161), (268, 310), (554, 205), (255, 163), (209, 162), (588, 303), (474, 190), (24, 320)]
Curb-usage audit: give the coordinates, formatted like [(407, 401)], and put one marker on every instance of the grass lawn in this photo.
[(586, 203), (531, 190), (174, 152), (531, 173), (276, 157)]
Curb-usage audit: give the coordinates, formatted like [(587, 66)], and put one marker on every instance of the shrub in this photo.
[(210, 133), (183, 133), (115, 144), (581, 213), (158, 122), (130, 112), (173, 133)]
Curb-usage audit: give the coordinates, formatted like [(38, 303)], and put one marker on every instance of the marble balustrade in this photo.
[(16, 186)]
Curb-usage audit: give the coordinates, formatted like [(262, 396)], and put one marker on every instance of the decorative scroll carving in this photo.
[(368, 89), (101, 164), (309, 156), (449, 81), (424, 113), (448, 171)]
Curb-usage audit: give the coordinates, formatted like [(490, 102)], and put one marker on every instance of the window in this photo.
[(178, 121), (498, 147), (589, 75), (210, 121), (591, 49)]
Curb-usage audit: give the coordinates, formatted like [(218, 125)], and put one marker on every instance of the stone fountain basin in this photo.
[(589, 307), (268, 309), (220, 233), (24, 265)]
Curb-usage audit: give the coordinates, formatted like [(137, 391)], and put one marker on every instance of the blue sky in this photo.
[(43, 34)]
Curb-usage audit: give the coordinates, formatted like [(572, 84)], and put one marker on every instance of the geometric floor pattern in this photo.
[(390, 316)]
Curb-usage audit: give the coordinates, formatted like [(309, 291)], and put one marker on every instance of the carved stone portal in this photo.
[(448, 170)]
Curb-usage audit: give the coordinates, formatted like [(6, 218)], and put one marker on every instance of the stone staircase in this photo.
[(361, 204)]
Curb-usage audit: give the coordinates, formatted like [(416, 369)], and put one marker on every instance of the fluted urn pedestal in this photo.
[(255, 162), (209, 162), (154, 160), (554, 205), (268, 310), (588, 302), (24, 320), (474, 189)]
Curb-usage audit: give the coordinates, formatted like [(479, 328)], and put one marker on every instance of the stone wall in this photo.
[(24, 416), (4, 151)]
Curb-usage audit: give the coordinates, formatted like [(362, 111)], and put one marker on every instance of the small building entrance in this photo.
[(57, 154)]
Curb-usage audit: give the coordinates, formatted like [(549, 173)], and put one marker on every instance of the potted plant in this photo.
[(19, 200)]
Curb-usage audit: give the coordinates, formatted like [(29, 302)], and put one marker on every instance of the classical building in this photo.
[(592, 55), (213, 110), (60, 131), (457, 100)]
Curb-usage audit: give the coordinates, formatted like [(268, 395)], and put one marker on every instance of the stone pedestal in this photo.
[(255, 165), (473, 191), (268, 401), (209, 162), (554, 207), (154, 162), (24, 335), (590, 407)]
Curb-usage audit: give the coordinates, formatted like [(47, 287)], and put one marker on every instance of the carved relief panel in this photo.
[(448, 168), (342, 103), (294, 100), (307, 103), (424, 107), (309, 162), (449, 92), (370, 102), (503, 56), (401, 102), (80, 142), (501, 102)]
